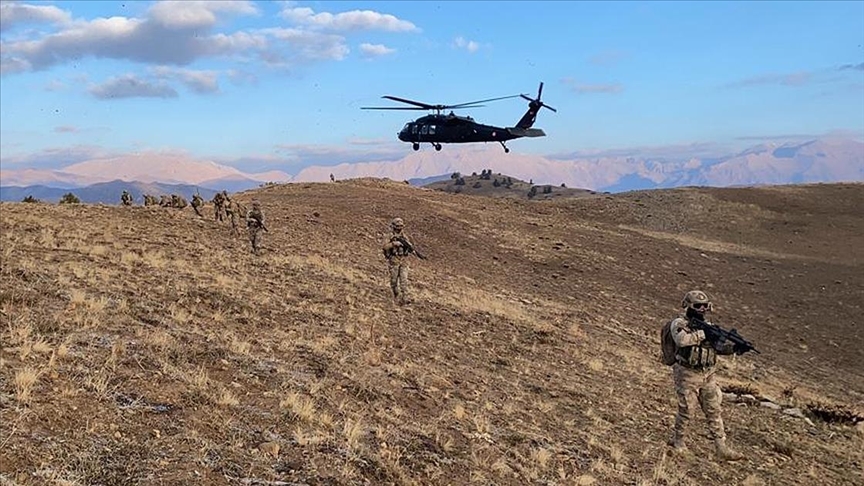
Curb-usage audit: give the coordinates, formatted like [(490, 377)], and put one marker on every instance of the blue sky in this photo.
[(262, 85)]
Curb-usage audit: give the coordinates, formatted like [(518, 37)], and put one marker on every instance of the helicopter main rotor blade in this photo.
[(424, 106), (468, 105), (391, 108)]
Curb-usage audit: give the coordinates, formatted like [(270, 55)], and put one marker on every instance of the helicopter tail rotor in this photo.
[(536, 101), (534, 105)]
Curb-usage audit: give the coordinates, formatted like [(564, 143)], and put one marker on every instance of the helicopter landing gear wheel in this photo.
[(437, 147), (416, 147), (506, 150)]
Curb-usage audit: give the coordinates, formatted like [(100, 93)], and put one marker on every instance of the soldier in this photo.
[(197, 202), (230, 210), (164, 201), (693, 374), (218, 206), (255, 223), (396, 252), (126, 198), (178, 201), (332, 178)]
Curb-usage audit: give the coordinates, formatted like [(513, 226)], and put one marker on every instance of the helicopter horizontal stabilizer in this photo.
[(526, 132)]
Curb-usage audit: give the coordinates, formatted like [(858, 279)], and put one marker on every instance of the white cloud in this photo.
[(143, 40), (468, 45), (13, 14), (375, 50), (196, 13), (348, 21), (310, 45), (179, 33), (130, 86), (791, 79), (201, 82)]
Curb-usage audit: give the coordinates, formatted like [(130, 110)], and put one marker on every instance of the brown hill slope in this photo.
[(499, 185), (146, 346)]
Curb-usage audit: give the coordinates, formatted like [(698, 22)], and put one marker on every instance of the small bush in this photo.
[(69, 198), (30, 199)]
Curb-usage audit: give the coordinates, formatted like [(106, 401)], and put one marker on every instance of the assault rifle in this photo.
[(715, 333), (408, 246)]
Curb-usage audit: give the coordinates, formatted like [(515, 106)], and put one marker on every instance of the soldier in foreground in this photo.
[(197, 202), (219, 206), (693, 373), (396, 251), (255, 224), (126, 198)]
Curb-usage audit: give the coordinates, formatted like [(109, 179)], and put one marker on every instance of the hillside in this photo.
[(500, 185), (147, 346)]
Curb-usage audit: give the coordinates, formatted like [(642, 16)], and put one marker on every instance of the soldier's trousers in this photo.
[(255, 238), (694, 386), (399, 279)]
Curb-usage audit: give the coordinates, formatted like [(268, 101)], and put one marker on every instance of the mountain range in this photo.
[(816, 160)]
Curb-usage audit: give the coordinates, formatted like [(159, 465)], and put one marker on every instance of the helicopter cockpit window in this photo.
[(414, 129), (431, 129), (406, 127), (424, 130)]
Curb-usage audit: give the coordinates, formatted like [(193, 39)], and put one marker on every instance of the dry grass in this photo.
[(175, 358)]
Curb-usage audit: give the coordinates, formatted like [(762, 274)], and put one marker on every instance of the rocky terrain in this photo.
[(149, 346)]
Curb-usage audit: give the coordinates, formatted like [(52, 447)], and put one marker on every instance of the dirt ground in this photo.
[(149, 346)]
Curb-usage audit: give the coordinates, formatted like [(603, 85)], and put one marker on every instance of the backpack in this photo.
[(667, 345)]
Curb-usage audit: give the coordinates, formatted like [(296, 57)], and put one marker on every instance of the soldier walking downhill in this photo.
[(255, 224), (197, 202), (396, 251), (218, 206), (693, 374), (126, 198)]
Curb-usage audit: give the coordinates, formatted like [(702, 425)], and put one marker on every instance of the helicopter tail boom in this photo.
[(526, 132)]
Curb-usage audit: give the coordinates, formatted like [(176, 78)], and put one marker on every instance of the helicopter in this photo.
[(438, 128)]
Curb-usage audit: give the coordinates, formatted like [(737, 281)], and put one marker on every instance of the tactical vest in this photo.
[(398, 251), (700, 357)]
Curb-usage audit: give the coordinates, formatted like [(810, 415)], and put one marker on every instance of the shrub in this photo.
[(532, 192), (30, 199), (69, 198)]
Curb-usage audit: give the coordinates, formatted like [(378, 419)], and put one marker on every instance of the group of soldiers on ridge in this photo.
[(693, 356), (225, 208)]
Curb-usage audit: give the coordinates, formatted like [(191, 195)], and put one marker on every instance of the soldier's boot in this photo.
[(725, 453), (677, 441)]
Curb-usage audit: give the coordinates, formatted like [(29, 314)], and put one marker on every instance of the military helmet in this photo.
[(695, 297), (397, 223)]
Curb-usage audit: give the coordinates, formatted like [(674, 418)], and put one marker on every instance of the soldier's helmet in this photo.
[(697, 300), (397, 223)]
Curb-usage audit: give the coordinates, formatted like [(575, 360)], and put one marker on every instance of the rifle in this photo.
[(715, 333), (408, 246)]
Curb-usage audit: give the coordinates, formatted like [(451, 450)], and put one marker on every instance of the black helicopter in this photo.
[(451, 128)]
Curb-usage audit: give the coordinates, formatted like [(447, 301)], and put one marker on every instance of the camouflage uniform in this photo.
[(126, 198), (149, 200), (178, 202), (397, 262), (197, 202), (219, 206), (231, 211), (165, 201), (255, 224), (693, 375)]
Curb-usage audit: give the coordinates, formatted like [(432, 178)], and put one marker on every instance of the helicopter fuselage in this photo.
[(452, 129)]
